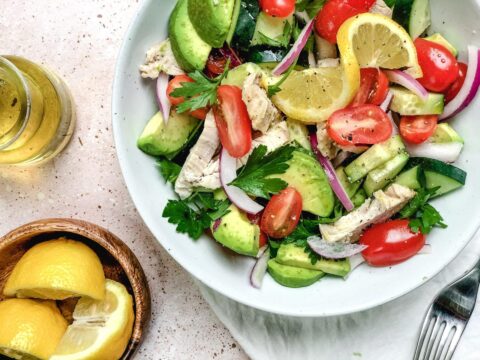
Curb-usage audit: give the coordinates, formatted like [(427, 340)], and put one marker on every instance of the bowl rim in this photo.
[(109, 242), (121, 62)]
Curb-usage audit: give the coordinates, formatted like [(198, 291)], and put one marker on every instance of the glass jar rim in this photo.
[(24, 95)]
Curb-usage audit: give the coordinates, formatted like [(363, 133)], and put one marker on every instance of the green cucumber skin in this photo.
[(440, 167), (246, 23), (380, 177), (410, 178), (236, 14), (406, 13)]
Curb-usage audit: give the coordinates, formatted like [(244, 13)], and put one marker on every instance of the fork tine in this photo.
[(443, 340), (433, 337), (423, 333), (460, 327)]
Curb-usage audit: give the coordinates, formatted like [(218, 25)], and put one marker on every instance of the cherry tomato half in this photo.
[(262, 240), (233, 123), (453, 91), (391, 243), (334, 13), (373, 87), (417, 129), (278, 8), (361, 125), (282, 214), (439, 66), (177, 82)]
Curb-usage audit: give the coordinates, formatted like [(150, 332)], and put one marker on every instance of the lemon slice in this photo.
[(312, 95), (57, 270), (101, 329), (377, 41), (30, 329)]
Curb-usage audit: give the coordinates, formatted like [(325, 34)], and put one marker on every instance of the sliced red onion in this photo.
[(446, 152), (295, 51), (427, 249), (355, 261), (260, 268), (334, 250), (340, 158), (386, 103), (161, 96), (407, 81), (470, 86), (302, 15), (228, 173), (228, 53), (261, 251), (395, 130), (331, 175), (216, 224)]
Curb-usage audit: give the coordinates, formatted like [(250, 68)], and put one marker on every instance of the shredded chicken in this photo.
[(381, 8), (326, 146), (196, 172), (261, 110), (383, 206), (160, 58), (324, 50)]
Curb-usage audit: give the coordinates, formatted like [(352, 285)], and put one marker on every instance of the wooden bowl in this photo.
[(119, 263)]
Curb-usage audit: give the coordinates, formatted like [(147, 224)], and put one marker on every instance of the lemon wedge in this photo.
[(311, 96), (57, 270), (101, 329), (375, 40), (30, 329)]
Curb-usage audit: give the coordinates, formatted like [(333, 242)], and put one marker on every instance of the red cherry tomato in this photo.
[(216, 66), (282, 213), (417, 129), (453, 91), (361, 125), (233, 123), (439, 66), (263, 240), (391, 243), (278, 8), (373, 87), (334, 13), (175, 83)]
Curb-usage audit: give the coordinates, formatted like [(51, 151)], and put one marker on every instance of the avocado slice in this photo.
[(211, 19), (307, 176), (159, 139), (237, 76), (298, 133), (190, 51), (237, 233), (292, 255), (445, 134), (293, 277)]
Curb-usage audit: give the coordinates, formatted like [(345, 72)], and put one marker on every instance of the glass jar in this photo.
[(37, 115)]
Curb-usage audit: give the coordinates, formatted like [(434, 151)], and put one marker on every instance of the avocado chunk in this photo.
[(439, 39), (445, 134), (211, 19), (237, 76), (380, 177), (377, 155), (237, 233), (407, 103), (292, 255), (411, 178), (190, 51), (159, 139), (307, 176), (298, 133), (293, 277), (273, 31)]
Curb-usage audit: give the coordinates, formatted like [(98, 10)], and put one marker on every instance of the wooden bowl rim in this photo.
[(99, 235)]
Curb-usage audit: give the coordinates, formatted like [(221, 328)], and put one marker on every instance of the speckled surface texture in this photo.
[(80, 41)]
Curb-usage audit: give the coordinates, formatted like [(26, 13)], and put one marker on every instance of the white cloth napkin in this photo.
[(388, 332)]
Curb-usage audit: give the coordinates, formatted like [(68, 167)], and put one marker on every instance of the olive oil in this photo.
[(36, 113)]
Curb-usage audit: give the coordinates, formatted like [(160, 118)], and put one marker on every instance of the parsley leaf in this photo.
[(196, 214), (169, 170), (423, 216), (256, 176), (302, 232), (200, 93)]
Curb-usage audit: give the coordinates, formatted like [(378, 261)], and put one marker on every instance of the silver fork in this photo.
[(447, 318)]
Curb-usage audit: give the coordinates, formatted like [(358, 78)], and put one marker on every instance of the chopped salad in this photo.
[(311, 135)]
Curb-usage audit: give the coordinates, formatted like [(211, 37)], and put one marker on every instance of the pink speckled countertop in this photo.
[(80, 41)]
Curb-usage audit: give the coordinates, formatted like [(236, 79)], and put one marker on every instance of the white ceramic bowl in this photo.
[(134, 104)]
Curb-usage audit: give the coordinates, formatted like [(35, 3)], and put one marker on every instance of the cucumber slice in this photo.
[(439, 39), (440, 174), (407, 103), (359, 198), (413, 15), (374, 157), (350, 188), (298, 133), (246, 22), (411, 178), (235, 16), (445, 134), (383, 175), (238, 75), (273, 31)]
